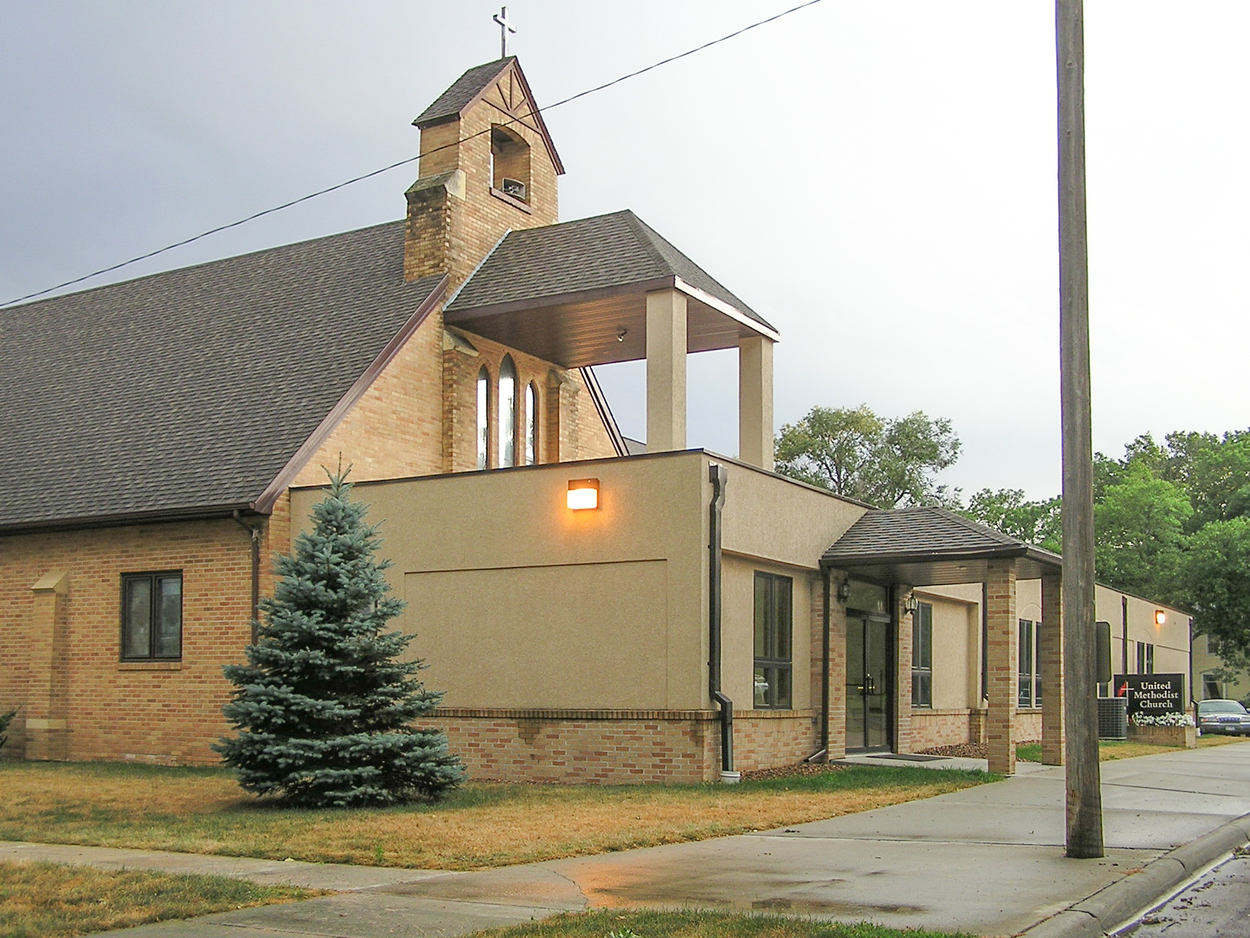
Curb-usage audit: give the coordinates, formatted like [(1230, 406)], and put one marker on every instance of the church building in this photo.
[(590, 611)]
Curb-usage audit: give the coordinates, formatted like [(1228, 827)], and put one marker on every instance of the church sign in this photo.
[(1151, 694)]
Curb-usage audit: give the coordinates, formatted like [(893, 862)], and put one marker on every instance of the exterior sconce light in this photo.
[(910, 604), (844, 590), (583, 494), (1161, 618)]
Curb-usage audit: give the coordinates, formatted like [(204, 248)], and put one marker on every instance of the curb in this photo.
[(1114, 906)]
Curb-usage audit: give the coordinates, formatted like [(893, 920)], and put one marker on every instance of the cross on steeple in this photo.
[(505, 27)]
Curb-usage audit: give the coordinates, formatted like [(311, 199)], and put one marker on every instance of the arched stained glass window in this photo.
[(483, 418), (531, 424), (507, 412)]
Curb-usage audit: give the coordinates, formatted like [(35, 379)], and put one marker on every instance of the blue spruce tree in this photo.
[(324, 707)]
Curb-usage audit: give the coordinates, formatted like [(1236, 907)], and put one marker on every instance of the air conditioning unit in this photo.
[(514, 188), (1112, 718)]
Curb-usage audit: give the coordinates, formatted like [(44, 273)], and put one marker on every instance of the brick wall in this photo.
[(930, 728), (620, 746), (395, 430), (152, 711), (952, 727), (605, 746), (766, 739)]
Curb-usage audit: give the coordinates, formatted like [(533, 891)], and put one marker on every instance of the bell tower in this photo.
[(488, 166)]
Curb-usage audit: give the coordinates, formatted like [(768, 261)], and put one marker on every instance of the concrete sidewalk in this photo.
[(986, 860)]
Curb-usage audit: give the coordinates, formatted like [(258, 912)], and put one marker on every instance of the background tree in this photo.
[(1007, 510), (324, 707), (885, 462), (1139, 525), (1217, 586)]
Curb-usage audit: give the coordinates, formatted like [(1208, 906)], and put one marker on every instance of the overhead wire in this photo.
[(411, 159)]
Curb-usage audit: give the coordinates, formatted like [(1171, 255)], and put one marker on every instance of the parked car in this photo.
[(1223, 716)]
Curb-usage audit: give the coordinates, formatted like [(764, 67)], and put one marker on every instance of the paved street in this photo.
[(1217, 905)]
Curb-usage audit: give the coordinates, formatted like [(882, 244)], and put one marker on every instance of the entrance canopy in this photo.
[(576, 294), (931, 547)]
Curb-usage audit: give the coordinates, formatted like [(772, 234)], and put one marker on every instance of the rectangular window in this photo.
[(1145, 658), (151, 616), (922, 656), (773, 595), (1030, 681), (1212, 687)]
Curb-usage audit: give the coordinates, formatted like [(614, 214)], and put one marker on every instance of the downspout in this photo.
[(716, 475), (255, 538)]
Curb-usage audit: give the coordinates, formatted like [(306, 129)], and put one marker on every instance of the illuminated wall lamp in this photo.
[(910, 604), (1161, 617), (583, 494)]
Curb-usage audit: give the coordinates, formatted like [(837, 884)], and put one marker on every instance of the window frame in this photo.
[(482, 398), (529, 418), (777, 640), (508, 412), (1029, 680), (922, 656), (154, 579)]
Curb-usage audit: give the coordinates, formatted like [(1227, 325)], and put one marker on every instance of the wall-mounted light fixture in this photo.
[(844, 590), (1161, 617), (910, 604), (583, 494)]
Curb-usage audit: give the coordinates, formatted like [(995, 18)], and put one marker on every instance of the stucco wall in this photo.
[(518, 602)]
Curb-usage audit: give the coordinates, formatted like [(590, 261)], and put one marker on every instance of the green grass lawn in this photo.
[(51, 900), (481, 825), (691, 924)]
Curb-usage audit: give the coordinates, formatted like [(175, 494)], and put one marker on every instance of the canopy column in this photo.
[(1051, 655), (755, 401), (666, 371), (1002, 664)]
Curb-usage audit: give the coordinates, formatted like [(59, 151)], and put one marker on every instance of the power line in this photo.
[(403, 162)]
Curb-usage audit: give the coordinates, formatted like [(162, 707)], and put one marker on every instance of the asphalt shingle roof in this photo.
[(915, 532), (462, 92), (595, 253), (192, 388)]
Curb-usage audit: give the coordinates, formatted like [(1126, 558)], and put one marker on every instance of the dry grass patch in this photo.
[(1111, 749), (697, 924), (480, 825), (50, 900)]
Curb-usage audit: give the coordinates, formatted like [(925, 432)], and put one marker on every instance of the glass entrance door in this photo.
[(869, 683)]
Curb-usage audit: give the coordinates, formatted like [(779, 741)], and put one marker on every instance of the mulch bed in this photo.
[(790, 771)]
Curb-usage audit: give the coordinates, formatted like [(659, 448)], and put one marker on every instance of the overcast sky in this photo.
[(875, 179)]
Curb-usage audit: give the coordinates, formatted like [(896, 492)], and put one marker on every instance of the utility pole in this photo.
[(1084, 798)]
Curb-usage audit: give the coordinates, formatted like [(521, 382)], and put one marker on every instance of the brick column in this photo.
[(837, 671), (666, 371), (755, 401), (1051, 664), (560, 435), (47, 733), (461, 363), (1002, 665), (902, 671)]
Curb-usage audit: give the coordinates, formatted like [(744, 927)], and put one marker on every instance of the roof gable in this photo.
[(927, 546), (193, 388), (588, 254), (502, 84)]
